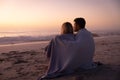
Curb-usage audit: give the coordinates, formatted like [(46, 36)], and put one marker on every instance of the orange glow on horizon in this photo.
[(38, 15)]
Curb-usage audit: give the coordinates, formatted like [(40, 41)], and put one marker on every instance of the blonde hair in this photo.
[(66, 28)]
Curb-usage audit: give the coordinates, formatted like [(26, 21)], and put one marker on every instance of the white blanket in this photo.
[(68, 53)]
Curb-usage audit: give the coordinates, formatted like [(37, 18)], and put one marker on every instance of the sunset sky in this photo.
[(48, 15)]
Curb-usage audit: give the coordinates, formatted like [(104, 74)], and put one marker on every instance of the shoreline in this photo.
[(35, 45), (23, 43), (27, 46)]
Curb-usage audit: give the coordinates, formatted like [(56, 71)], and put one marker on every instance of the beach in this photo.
[(26, 61)]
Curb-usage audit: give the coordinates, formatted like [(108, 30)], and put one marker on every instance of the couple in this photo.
[(70, 52)]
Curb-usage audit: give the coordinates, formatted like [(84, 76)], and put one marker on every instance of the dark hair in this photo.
[(80, 21), (67, 28)]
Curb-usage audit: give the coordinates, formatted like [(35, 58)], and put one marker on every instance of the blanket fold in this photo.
[(68, 53)]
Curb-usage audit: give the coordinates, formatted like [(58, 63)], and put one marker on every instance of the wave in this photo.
[(102, 34), (22, 39)]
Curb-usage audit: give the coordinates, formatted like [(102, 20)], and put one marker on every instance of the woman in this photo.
[(66, 33), (57, 54)]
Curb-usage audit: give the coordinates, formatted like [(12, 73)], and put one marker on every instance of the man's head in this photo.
[(79, 24)]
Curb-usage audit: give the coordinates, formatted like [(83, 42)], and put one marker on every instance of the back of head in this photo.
[(67, 28), (80, 22)]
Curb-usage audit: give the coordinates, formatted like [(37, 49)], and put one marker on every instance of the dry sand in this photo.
[(26, 61)]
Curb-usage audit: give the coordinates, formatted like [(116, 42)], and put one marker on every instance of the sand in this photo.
[(27, 46), (26, 61)]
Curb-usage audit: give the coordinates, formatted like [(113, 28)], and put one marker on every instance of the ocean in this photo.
[(21, 37)]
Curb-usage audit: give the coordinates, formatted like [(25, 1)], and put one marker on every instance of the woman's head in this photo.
[(67, 28)]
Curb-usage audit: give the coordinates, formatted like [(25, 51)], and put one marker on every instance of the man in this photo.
[(86, 44)]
